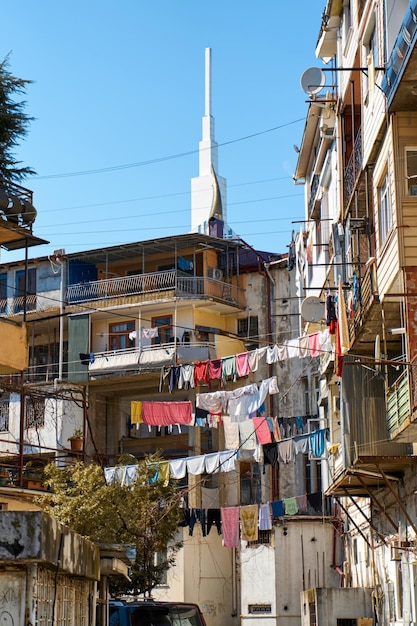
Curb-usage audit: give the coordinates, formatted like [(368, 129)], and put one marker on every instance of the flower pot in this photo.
[(76, 443)]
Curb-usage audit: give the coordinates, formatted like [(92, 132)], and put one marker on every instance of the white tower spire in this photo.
[(207, 110), (203, 187)]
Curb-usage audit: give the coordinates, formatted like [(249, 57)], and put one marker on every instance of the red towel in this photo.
[(230, 526), (201, 372), (166, 413), (262, 431)]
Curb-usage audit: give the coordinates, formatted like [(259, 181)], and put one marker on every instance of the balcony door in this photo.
[(164, 325), (119, 335)]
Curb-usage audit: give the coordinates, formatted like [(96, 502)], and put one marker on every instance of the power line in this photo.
[(178, 155)]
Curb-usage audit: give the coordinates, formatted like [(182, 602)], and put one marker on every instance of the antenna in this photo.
[(313, 80)]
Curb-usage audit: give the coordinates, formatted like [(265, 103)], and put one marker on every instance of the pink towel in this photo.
[(230, 526), (166, 413), (314, 344), (262, 431), (242, 364)]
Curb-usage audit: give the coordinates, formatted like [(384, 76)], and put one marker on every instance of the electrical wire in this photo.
[(171, 157)]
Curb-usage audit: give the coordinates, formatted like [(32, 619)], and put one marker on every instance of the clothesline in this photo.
[(243, 523)]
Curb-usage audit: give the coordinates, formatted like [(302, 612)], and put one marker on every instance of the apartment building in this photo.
[(356, 253)]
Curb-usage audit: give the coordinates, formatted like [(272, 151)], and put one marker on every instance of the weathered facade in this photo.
[(357, 255)]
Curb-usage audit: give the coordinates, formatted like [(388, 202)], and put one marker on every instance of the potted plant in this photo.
[(4, 477), (76, 439), (33, 475)]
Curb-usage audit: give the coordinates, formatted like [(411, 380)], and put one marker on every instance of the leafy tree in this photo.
[(14, 123), (145, 514)]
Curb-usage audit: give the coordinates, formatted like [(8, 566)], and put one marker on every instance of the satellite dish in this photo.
[(312, 81), (312, 309), (377, 353)]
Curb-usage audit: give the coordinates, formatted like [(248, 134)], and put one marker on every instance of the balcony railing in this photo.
[(156, 282), (367, 296), (398, 403), (403, 46), (149, 358), (352, 170), (15, 306)]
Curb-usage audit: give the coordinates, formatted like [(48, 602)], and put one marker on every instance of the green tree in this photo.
[(14, 123), (145, 514)]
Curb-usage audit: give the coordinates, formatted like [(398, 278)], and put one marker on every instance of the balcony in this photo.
[(398, 404), (352, 171), (149, 358), (400, 69), (154, 286)]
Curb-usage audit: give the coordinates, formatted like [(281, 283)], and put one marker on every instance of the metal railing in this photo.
[(352, 170), (141, 284)]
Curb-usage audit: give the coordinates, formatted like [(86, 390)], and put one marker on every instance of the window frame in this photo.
[(385, 217), (121, 336)]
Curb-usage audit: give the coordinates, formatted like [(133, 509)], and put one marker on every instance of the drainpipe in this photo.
[(234, 584)]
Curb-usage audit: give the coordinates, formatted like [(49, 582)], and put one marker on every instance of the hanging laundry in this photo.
[(215, 369), (263, 434), (227, 460), (242, 364), (270, 451), (239, 408), (315, 500), (302, 503), (277, 508), (285, 451), (132, 335), (231, 433), (196, 465), (314, 344), (301, 444), (248, 440), (198, 515), (201, 417), (249, 522), (150, 333), (214, 517), (212, 462), (186, 379), (177, 468), (229, 368), (304, 347), (166, 413), (290, 506), (213, 402), (201, 372), (230, 526), (317, 443), (210, 498), (293, 348), (136, 412), (164, 473), (272, 354), (265, 519), (174, 376)]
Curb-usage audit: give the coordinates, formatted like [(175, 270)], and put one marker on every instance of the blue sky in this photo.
[(121, 84)]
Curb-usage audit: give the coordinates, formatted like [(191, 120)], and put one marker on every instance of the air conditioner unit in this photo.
[(327, 124), (216, 273)]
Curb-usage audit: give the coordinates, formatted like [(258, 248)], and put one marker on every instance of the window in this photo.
[(34, 412), (160, 560), (411, 171), (3, 293), (250, 483), (247, 328), (384, 210), (119, 335), (164, 325), (4, 415), (30, 290)]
